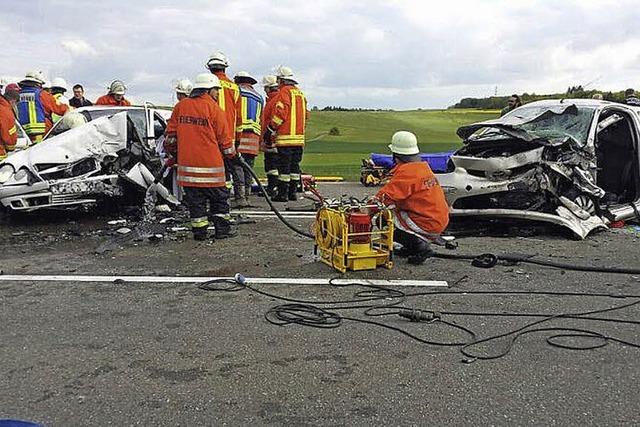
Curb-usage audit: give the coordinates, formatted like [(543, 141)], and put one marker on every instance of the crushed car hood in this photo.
[(511, 123), (99, 138)]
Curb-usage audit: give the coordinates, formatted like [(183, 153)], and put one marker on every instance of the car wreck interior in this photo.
[(617, 157)]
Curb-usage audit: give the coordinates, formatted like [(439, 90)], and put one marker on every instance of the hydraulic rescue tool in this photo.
[(354, 235)]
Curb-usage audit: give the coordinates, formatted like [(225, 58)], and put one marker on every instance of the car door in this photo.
[(618, 160)]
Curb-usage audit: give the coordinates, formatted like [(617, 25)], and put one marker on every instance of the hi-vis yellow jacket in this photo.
[(289, 117)]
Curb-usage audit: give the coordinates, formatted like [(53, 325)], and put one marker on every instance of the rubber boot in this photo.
[(199, 233), (272, 182), (292, 191), (224, 229), (240, 200), (281, 192), (421, 252), (247, 193)]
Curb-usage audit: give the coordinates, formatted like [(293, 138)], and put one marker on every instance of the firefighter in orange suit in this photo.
[(115, 97), (228, 99), (286, 130), (199, 129), (8, 130), (270, 85), (421, 211)]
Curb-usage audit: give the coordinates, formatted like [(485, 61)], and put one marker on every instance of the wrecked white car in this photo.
[(112, 156), (568, 162)]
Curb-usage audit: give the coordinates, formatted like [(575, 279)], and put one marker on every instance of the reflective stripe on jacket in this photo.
[(248, 143), (8, 129), (420, 205), (229, 102), (200, 127), (290, 116)]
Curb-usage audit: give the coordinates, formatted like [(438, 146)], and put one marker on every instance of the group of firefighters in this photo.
[(218, 120), (219, 126)]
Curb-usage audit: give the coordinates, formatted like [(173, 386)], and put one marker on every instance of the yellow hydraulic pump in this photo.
[(352, 235)]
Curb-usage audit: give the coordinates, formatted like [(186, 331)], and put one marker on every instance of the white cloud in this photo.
[(79, 47), (396, 53)]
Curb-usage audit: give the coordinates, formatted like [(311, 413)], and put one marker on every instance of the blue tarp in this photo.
[(437, 161)]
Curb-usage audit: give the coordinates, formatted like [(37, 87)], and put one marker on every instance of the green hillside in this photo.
[(364, 132)]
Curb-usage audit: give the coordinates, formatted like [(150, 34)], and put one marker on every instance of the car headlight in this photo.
[(21, 174), (6, 172)]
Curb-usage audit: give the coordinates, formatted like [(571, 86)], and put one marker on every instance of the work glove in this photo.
[(270, 148), (170, 162), (269, 136), (171, 145)]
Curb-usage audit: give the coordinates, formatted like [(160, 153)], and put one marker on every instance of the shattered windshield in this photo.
[(550, 123), (545, 123)]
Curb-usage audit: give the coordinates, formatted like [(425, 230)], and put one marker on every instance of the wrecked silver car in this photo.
[(570, 162), (111, 156)]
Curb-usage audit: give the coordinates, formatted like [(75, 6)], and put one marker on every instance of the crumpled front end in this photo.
[(525, 178), (76, 168)]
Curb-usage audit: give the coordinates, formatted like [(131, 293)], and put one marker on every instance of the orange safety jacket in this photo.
[(420, 205), (229, 102), (267, 112), (200, 127), (8, 130), (108, 99), (290, 117)]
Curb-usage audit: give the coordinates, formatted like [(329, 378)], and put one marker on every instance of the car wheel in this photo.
[(586, 203)]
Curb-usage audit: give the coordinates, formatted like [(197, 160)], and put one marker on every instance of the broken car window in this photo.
[(555, 123), (546, 124)]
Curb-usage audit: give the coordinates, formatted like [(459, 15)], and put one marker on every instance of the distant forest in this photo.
[(499, 102)]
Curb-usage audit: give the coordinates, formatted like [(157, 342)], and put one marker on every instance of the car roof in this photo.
[(116, 107), (578, 102)]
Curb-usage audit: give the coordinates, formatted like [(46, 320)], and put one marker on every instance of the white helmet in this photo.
[(217, 59), (59, 82), (117, 87), (270, 81), (404, 143), (285, 73), (73, 119), (184, 86), (206, 81), (245, 75), (34, 76)]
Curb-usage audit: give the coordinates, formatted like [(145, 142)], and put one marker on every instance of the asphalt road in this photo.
[(77, 354)]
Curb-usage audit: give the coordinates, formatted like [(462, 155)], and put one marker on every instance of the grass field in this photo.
[(365, 132)]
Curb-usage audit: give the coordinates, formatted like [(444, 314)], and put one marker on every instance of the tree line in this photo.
[(498, 102)]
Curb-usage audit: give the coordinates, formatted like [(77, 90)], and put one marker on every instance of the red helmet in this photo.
[(12, 87)]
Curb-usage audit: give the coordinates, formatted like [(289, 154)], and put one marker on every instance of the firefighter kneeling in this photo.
[(198, 132), (421, 210)]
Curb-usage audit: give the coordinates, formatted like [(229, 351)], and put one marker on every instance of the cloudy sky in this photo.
[(399, 54)]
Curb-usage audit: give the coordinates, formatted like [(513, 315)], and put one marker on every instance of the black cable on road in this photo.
[(323, 314), (248, 168), (489, 260)]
